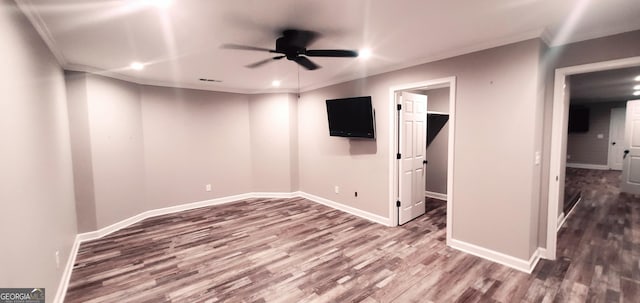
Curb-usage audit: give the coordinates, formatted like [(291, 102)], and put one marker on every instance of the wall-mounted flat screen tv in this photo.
[(578, 119), (351, 117)]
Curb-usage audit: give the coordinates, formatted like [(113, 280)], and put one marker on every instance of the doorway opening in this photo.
[(407, 184), (559, 137)]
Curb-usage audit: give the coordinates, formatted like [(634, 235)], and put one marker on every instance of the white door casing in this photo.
[(631, 164), (558, 139), (616, 138), (412, 134)]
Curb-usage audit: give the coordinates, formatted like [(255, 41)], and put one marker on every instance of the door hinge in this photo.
[(399, 106), (398, 156), (398, 203)]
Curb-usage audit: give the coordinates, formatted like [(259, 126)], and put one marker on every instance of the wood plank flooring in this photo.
[(294, 250)]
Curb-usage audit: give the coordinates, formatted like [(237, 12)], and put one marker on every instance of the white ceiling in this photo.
[(604, 86), (181, 43)]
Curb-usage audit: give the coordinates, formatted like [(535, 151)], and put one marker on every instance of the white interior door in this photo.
[(631, 164), (413, 147), (616, 138)]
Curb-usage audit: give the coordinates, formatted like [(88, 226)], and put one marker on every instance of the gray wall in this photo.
[(138, 147), (193, 138), (36, 181), (500, 83), (76, 84), (274, 159), (587, 148), (437, 151)]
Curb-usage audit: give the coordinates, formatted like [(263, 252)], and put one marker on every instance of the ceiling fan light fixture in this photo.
[(364, 53)]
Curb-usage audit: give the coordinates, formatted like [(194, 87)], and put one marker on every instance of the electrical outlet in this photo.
[(336, 189), (207, 187), (57, 259)]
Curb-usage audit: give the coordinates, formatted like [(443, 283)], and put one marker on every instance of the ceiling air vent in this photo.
[(210, 80)]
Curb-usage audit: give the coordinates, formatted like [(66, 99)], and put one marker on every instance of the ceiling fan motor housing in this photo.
[(293, 43)]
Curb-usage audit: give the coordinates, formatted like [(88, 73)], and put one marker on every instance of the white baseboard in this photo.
[(66, 274), (348, 209), (498, 257), (173, 209), (157, 212), (543, 253), (435, 195), (560, 221), (588, 166), (93, 235), (564, 218)]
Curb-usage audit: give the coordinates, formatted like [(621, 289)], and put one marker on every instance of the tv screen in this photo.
[(578, 119), (351, 117)]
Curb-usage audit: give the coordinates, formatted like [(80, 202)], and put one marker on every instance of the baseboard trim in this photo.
[(543, 253), (588, 166), (564, 218), (161, 211), (348, 209), (435, 195), (66, 274), (94, 235), (560, 221), (526, 266)]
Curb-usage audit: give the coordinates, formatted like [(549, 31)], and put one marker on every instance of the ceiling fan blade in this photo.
[(265, 61), (306, 63), (331, 53), (246, 47)]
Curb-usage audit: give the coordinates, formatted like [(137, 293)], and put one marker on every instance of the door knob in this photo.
[(626, 151), (613, 143), (424, 161)]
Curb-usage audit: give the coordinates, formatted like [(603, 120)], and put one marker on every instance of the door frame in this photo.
[(393, 137), (557, 161)]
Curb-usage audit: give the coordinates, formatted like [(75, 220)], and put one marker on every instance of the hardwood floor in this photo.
[(294, 250)]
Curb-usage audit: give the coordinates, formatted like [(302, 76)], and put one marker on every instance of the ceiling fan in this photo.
[(293, 46)]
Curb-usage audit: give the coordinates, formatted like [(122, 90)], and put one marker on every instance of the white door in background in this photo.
[(413, 147), (631, 164), (616, 138)]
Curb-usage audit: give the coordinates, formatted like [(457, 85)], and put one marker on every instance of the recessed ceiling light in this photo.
[(636, 93), (364, 53), (275, 83), (136, 66)]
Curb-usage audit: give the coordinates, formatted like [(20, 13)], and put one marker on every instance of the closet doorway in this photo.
[(438, 141)]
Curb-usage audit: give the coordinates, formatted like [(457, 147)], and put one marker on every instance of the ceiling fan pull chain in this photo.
[(298, 81)]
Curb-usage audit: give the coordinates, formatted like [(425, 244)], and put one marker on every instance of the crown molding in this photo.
[(533, 34), (142, 81), (595, 34), (27, 8)]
